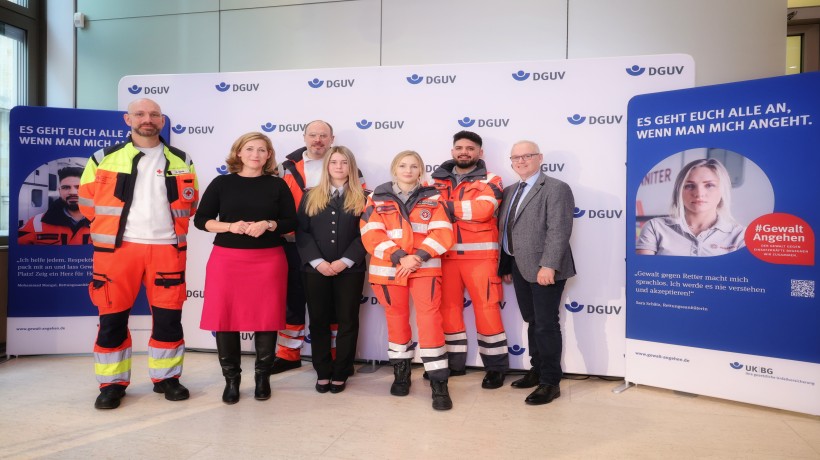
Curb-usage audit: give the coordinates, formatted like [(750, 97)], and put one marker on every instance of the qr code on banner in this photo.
[(803, 288)]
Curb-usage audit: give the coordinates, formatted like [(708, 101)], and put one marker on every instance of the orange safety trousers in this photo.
[(116, 281), (480, 278), (426, 294)]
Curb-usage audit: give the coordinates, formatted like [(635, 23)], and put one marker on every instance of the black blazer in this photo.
[(330, 235)]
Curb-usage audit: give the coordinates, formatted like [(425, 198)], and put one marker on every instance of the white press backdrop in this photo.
[(574, 109)]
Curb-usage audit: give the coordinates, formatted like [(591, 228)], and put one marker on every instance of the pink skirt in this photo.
[(245, 290)]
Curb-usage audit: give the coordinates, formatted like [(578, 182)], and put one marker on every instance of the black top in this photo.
[(232, 198), (330, 235)]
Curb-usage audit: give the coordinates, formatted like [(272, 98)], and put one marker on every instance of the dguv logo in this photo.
[(736, 365), (520, 75), (467, 122), (598, 213), (415, 79), (134, 89), (576, 307), (316, 83), (179, 129), (237, 87), (222, 170), (578, 119), (635, 70), (371, 300), (539, 76), (366, 124), (516, 350), (284, 127)]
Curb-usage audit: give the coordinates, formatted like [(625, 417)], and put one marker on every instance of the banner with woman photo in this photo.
[(721, 266)]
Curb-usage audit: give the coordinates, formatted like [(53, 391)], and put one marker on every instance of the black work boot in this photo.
[(401, 382), (109, 397), (441, 395), (173, 390), (265, 353), (229, 349)]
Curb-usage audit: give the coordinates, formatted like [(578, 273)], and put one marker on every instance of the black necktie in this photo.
[(511, 216), (335, 194)]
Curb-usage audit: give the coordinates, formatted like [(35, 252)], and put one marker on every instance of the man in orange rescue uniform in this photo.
[(472, 195), (139, 196)]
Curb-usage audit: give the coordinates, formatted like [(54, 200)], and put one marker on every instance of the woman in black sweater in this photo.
[(245, 279)]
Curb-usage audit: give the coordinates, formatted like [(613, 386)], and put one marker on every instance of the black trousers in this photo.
[(330, 299), (295, 300), (539, 308)]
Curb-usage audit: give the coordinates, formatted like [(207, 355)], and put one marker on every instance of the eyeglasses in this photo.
[(154, 115), (524, 157)]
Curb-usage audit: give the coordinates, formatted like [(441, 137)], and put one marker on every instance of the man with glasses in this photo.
[(62, 223), (139, 196), (535, 224)]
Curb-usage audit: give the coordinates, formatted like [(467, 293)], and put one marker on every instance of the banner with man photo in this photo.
[(49, 252)]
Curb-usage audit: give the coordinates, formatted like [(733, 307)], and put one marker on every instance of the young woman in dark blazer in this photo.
[(333, 269)]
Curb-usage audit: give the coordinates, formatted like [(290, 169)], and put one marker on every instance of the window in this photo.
[(19, 58)]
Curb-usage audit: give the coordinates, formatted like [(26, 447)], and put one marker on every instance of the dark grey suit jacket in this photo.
[(541, 229)]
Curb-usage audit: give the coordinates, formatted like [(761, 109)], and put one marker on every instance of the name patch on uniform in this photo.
[(385, 208), (428, 203), (177, 172)]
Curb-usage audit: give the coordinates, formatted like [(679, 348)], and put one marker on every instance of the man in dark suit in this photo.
[(535, 224)]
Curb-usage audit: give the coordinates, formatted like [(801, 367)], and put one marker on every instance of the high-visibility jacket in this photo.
[(473, 203), (54, 227), (107, 191), (392, 229)]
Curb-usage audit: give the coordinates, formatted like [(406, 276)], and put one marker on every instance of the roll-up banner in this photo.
[(721, 263)]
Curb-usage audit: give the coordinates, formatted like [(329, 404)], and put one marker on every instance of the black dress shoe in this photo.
[(544, 394), (531, 379), (493, 380), (322, 387), (174, 391), (453, 373), (109, 397), (282, 365), (337, 388)]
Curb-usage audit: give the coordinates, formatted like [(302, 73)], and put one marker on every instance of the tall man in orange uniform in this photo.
[(139, 196), (472, 195), (301, 170)]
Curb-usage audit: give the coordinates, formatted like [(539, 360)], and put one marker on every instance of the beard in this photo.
[(466, 164), (72, 205), (147, 130)]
